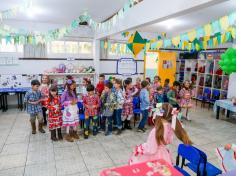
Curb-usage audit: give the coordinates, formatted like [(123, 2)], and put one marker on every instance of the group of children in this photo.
[(109, 105)]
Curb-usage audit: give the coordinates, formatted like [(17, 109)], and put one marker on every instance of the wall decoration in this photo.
[(126, 66), (136, 43)]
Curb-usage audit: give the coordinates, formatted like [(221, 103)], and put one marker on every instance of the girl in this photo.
[(127, 111), (70, 114), (44, 88), (86, 82), (156, 146), (156, 83), (186, 94), (119, 104), (54, 114)]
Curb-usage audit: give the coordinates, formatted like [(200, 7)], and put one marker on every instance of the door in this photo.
[(166, 66)]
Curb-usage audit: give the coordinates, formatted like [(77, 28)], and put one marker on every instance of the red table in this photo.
[(151, 168)]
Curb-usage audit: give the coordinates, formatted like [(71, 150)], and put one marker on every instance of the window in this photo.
[(118, 48), (72, 47), (10, 47), (85, 47), (57, 47)]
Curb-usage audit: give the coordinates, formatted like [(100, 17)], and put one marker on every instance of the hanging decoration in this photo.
[(136, 43), (228, 61), (6, 14)]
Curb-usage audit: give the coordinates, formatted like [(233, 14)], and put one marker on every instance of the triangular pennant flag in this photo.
[(223, 38), (215, 27), (208, 30), (167, 43), (184, 37), (159, 44), (224, 22), (176, 40), (137, 48), (200, 32), (192, 35)]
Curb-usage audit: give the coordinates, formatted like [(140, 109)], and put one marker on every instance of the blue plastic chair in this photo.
[(136, 108), (197, 161), (205, 97), (81, 114)]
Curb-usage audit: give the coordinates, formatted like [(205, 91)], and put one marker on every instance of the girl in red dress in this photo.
[(54, 113)]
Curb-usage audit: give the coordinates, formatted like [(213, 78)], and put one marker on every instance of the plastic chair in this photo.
[(136, 108), (205, 97), (81, 114), (215, 96), (197, 161)]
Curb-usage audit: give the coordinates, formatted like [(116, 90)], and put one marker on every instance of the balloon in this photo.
[(234, 61), (221, 62), (223, 56), (227, 61)]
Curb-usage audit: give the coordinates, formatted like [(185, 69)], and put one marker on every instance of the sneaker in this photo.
[(119, 131), (108, 133), (141, 130)]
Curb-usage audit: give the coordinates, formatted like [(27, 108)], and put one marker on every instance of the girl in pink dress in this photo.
[(186, 94), (156, 146)]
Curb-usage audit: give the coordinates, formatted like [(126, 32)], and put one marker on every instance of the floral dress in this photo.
[(185, 97), (54, 113), (44, 88), (128, 104), (150, 150)]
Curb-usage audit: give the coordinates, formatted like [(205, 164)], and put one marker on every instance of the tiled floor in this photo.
[(36, 155)]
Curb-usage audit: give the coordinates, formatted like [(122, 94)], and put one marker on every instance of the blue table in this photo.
[(20, 92), (226, 104)]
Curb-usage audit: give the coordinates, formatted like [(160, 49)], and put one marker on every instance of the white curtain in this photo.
[(35, 51)]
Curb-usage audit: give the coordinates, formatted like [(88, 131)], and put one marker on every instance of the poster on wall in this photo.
[(151, 65), (126, 66), (15, 81)]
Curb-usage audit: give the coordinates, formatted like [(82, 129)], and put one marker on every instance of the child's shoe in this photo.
[(69, 138), (59, 134), (75, 135), (33, 125), (108, 133), (119, 131), (41, 130), (53, 135), (128, 125)]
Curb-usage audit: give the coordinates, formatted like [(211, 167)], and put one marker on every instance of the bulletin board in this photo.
[(126, 67), (150, 66), (232, 85)]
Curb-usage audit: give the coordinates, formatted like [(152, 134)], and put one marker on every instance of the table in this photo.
[(152, 168), (20, 92), (226, 104), (231, 173)]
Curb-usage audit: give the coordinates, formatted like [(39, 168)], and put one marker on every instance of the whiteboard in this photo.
[(126, 66), (232, 86)]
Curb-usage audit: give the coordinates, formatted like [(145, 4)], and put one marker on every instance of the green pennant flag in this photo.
[(218, 36), (102, 44), (16, 40), (8, 39), (22, 39)]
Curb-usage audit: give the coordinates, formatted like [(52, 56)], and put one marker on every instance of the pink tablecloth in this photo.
[(152, 168)]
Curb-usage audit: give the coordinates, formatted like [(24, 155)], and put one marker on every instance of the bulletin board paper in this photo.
[(232, 85)]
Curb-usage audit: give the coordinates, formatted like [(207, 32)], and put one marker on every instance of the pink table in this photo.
[(152, 168)]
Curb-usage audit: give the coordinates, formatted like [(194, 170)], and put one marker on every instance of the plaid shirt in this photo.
[(32, 96), (89, 102)]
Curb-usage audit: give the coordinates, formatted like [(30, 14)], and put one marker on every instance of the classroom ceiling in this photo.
[(181, 24)]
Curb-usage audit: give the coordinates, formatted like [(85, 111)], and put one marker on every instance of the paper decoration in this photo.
[(176, 40), (207, 29), (192, 35), (224, 22), (126, 66), (136, 43)]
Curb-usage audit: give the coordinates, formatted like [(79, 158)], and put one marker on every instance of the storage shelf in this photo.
[(65, 74)]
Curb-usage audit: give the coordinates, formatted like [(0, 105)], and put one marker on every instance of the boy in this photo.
[(166, 87), (159, 96), (33, 100), (172, 95), (144, 105), (91, 104), (108, 104), (100, 85)]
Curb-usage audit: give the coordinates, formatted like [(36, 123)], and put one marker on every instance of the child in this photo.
[(91, 104), (173, 96), (44, 88), (138, 86), (159, 96), (54, 114), (33, 100), (119, 104), (100, 85), (108, 104), (127, 111), (156, 146), (86, 82), (70, 114), (156, 83), (186, 94), (166, 87), (144, 105), (148, 80)]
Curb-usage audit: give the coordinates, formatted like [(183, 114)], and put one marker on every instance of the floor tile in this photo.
[(47, 169), (19, 171), (12, 161)]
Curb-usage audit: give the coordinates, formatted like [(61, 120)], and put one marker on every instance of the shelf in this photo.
[(65, 74)]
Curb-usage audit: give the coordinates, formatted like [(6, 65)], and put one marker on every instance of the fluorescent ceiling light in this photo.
[(32, 12), (170, 23)]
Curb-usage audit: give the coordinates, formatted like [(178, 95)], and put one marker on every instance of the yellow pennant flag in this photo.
[(207, 29), (224, 22), (197, 46), (232, 31), (206, 38), (176, 40), (189, 46), (204, 44), (159, 44), (215, 42), (192, 35), (105, 45), (223, 38), (148, 46)]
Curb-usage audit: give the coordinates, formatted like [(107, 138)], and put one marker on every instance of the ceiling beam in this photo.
[(153, 11)]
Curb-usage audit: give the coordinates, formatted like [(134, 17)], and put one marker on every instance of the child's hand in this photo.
[(95, 106), (228, 146)]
